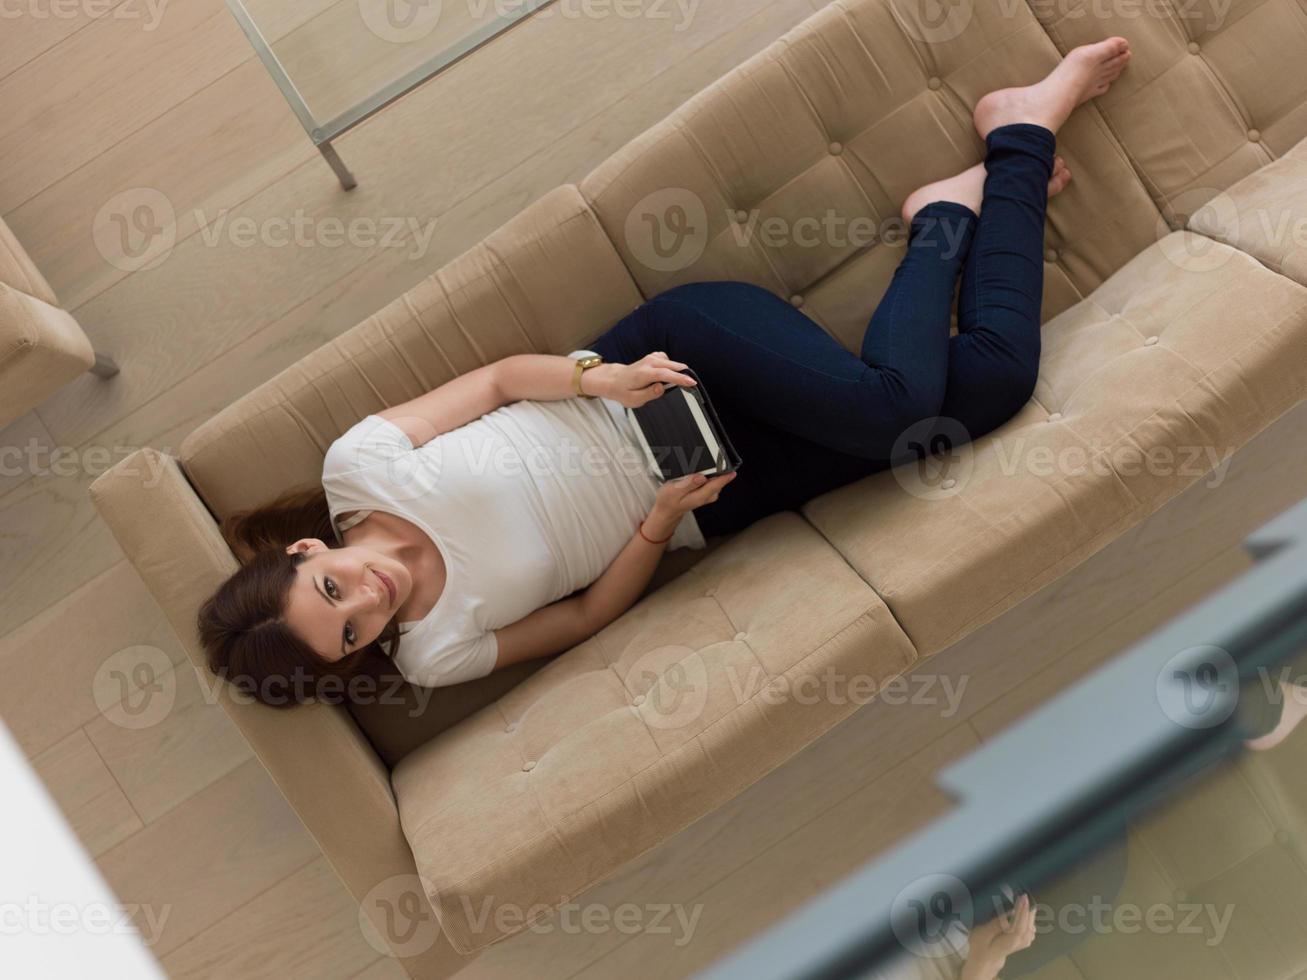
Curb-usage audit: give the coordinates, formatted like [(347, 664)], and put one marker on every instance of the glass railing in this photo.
[(1153, 816)]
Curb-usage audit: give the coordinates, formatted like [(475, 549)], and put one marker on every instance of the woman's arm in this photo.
[(616, 590), (538, 377), (562, 625), (542, 377)]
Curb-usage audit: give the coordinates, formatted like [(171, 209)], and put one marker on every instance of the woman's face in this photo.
[(342, 598)]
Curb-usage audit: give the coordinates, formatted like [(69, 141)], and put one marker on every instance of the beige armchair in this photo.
[(42, 347)]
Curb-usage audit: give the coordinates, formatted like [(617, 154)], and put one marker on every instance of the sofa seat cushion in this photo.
[(1145, 386), (692, 695), (1265, 215)]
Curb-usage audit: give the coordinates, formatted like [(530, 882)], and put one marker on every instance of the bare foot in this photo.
[(1295, 710), (968, 188), (1086, 72)]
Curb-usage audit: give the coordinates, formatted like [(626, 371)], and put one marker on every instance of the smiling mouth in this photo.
[(390, 586)]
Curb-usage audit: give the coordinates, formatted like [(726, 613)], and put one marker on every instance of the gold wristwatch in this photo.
[(584, 364)]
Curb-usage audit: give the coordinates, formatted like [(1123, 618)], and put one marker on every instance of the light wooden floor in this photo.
[(179, 814)]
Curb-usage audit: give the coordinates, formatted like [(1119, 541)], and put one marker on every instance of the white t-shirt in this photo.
[(526, 504)]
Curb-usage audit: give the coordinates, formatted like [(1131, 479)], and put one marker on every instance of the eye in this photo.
[(350, 636), (330, 586)]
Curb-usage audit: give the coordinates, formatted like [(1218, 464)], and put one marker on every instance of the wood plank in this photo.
[(52, 541), (214, 150), (214, 292), (1098, 649), (781, 879), (362, 34), (304, 926), (35, 27), (57, 666), (165, 763), (25, 451), (383, 969), (207, 858), (99, 85), (86, 792)]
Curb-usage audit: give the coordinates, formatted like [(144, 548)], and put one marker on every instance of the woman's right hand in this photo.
[(992, 943), (678, 497)]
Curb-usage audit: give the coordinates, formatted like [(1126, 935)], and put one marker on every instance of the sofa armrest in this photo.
[(42, 347), (316, 754)]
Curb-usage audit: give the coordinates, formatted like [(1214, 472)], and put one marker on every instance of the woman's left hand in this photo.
[(635, 384)]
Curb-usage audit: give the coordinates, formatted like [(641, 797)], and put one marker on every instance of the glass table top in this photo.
[(339, 61)]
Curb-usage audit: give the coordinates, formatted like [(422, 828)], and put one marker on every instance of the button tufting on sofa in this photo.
[(1151, 341), (1006, 531), (1200, 140), (621, 780), (1050, 255), (796, 301), (1055, 417), (638, 700), (1254, 135), (934, 83), (1239, 215), (836, 149), (528, 766)]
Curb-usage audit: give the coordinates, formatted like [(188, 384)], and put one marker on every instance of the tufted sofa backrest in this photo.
[(795, 165)]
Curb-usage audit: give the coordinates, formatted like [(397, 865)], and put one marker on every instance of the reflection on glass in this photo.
[(1210, 885)]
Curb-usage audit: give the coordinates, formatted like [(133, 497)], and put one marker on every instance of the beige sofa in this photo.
[(42, 347), (1165, 335)]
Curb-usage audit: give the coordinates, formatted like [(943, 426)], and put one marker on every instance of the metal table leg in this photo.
[(347, 181), (104, 366)]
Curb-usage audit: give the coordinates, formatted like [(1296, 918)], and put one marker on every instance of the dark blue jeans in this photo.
[(806, 414)]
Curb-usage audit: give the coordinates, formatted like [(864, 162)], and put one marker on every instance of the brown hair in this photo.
[(243, 626)]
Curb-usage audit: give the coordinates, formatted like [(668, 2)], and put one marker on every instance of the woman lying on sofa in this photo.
[(432, 522)]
